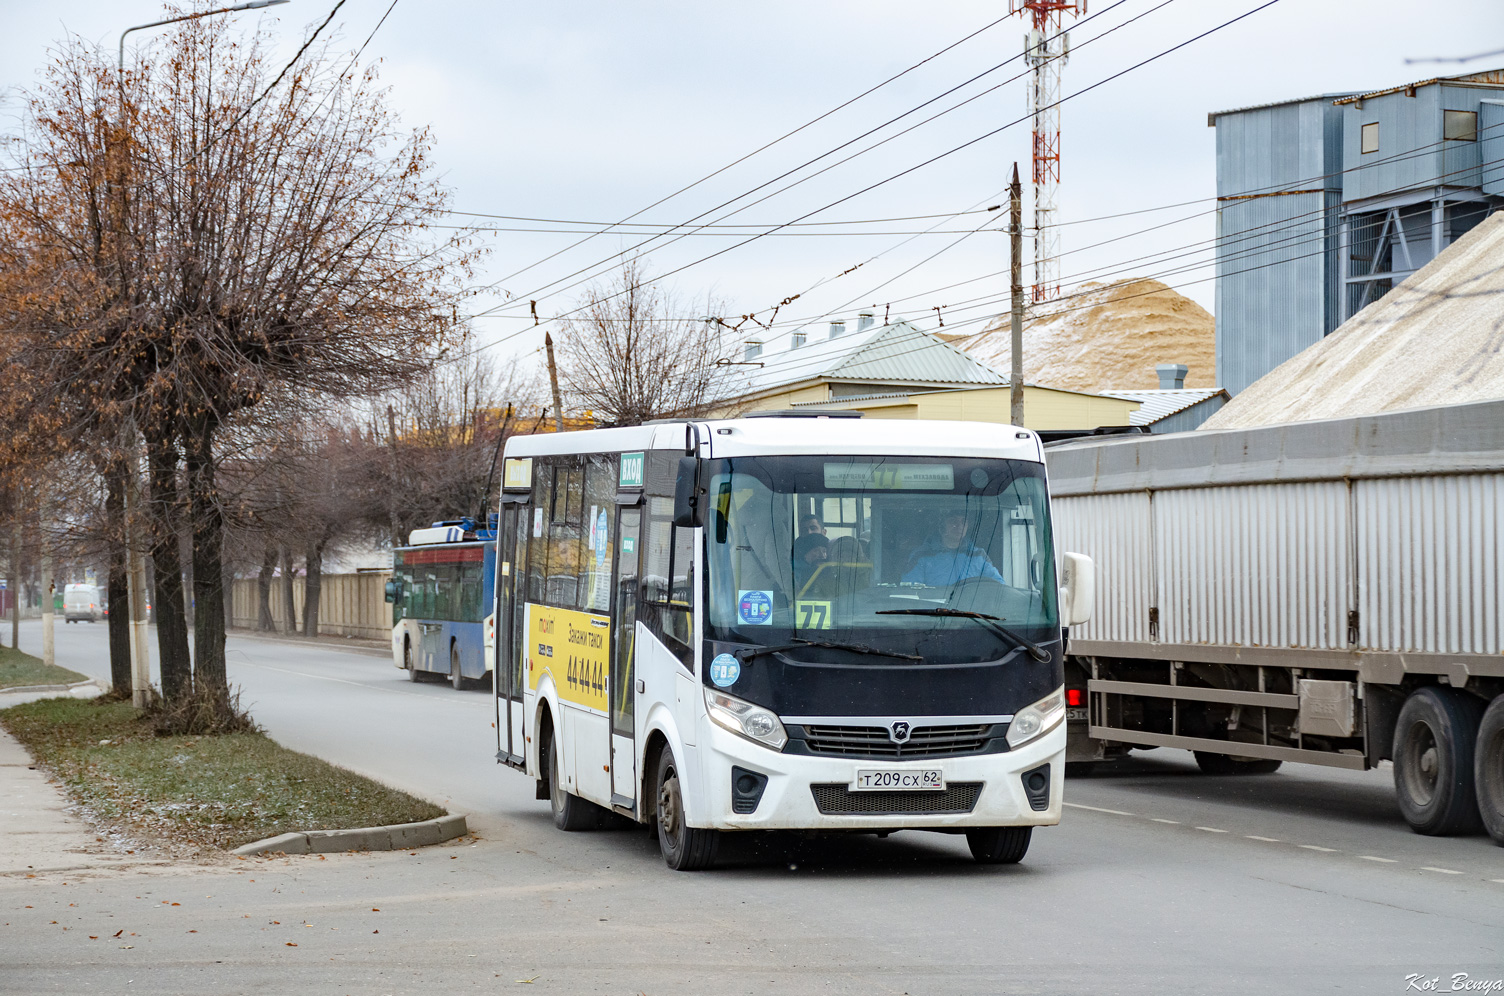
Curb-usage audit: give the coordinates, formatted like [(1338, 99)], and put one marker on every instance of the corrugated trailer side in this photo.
[(1327, 592)]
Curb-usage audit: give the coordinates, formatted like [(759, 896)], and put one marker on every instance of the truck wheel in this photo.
[(1434, 741), (1488, 770), (999, 845), (1221, 764), (685, 848), (571, 813)]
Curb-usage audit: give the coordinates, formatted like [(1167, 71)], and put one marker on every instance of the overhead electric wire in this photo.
[(537, 293), (936, 158), (763, 148)]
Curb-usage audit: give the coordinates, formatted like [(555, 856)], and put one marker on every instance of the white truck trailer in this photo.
[(1326, 592)]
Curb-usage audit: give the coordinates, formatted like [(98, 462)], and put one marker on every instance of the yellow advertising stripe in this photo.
[(574, 648)]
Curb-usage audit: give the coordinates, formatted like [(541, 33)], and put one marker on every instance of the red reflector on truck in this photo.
[(1074, 697)]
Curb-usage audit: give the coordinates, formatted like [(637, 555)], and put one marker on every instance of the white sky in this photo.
[(593, 110)]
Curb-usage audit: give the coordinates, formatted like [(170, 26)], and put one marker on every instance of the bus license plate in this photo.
[(903, 780)]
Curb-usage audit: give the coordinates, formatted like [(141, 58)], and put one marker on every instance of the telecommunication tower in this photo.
[(1046, 48)]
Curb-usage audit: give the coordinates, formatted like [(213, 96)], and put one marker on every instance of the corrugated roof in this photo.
[(898, 353), (1211, 118), (1489, 77), (1161, 404)]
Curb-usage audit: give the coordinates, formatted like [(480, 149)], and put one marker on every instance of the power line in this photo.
[(536, 293)]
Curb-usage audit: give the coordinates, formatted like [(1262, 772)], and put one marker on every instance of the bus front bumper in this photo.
[(805, 792)]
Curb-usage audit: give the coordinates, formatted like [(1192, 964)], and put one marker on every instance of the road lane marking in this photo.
[(1211, 829), (1370, 857), (1098, 809), (1444, 871), (1267, 840), (1315, 847), (1158, 820)]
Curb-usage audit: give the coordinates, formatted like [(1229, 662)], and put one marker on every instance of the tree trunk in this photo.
[(207, 523), (313, 588), (264, 621), (289, 606), (117, 585), (172, 626)]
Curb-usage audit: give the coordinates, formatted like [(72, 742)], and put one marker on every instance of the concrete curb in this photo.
[(393, 838), (19, 689)]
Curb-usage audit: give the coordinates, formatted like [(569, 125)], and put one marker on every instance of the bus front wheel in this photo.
[(999, 845), (685, 848), (413, 674)]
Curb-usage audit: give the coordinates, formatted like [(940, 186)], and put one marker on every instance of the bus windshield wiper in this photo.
[(991, 622), (747, 654)]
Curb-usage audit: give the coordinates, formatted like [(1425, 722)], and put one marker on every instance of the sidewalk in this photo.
[(37, 834)]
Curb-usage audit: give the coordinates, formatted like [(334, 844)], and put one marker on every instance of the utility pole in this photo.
[(135, 576), (553, 382), (49, 651), (1016, 290)]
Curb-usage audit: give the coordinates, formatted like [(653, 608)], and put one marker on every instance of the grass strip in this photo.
[(206, 791), (18, 669)]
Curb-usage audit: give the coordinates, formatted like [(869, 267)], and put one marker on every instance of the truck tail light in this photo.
[(1075, 697)]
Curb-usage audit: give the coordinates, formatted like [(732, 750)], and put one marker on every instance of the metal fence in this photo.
[(349, 605)]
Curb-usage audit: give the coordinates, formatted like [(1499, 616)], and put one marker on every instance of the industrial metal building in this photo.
[(1325, 203)]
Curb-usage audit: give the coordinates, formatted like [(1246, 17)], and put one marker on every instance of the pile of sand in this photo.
[(1106, 337), (1436, 339)]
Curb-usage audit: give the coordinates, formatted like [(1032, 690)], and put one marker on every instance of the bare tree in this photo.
[(631, 355), (224, 254)]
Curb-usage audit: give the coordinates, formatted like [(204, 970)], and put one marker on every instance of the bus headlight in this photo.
[(745, 719), (1038, 719)]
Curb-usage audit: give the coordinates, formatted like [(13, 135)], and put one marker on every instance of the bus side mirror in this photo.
[(1078, 588), (687, 511), (393, 590)]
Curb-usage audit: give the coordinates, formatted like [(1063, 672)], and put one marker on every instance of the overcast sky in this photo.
[(590, 111)]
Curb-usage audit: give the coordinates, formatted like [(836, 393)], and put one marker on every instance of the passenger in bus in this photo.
[(810, 525), (810, 551), (950, 557)]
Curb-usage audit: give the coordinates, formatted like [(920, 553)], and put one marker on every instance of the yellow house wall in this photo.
[(780, 401)]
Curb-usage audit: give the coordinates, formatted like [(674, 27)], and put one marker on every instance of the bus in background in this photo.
[(774, 623), (441, 589)]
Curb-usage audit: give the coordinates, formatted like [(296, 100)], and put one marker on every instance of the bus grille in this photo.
[(873, 741), (838, 800)]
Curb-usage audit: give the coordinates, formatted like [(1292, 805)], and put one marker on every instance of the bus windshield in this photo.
[(943, 557)]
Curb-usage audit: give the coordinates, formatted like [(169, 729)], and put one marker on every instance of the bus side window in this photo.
[(666, 597)]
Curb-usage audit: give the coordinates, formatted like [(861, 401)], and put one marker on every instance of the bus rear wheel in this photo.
[(456, 679), (685, 848), (571, 813), (999, 845)]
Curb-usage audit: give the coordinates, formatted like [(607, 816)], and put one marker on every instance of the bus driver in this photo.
[(950, 557)]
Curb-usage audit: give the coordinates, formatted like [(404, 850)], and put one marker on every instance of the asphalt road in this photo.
[(1160, 880)]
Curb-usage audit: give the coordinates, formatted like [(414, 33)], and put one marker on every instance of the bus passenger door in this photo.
[(511, 560), (621, 687)]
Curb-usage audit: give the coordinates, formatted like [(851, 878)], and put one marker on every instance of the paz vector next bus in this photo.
[(785, 623)]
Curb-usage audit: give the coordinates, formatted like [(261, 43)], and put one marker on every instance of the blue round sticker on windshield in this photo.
[(724, 670)]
